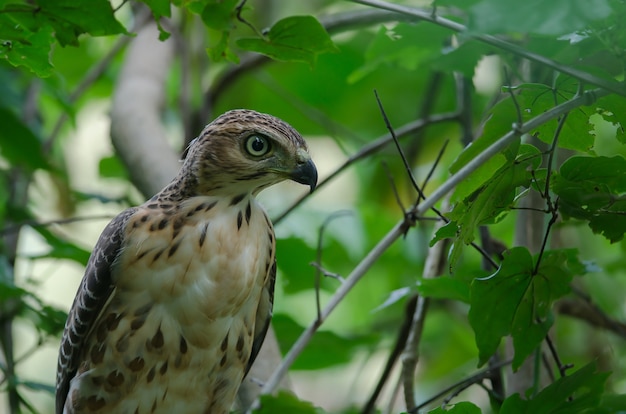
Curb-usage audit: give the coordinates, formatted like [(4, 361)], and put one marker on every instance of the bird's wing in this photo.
[(92, 295), (263, 316)]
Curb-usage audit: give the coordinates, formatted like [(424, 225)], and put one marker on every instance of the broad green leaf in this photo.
[(159, 8), (292, 39), (553, 18), (112, 167), (493, 199), (406, 45), (293, 259), (516, 300), (18, 144), (464, 407), (68, 18), (326, 348), (221, 50), (448, 231), (47, 319), (219, 15), (286, 402), (612, 403), (592, 189), (8, 291), (495, 300), (532, 100), (25, 48), (612, 109), (585, 386), (444, 287)]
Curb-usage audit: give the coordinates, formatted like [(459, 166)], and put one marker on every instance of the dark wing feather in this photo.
[(263, 316), (93, 293)]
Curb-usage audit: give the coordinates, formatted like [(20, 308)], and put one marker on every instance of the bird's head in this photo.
[(245, 151)]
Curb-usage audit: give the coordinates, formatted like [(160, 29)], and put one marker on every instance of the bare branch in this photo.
[(433, 267), (320, 241), (136, 112)]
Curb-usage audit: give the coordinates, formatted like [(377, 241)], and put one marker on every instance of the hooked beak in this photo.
[(305, 173)]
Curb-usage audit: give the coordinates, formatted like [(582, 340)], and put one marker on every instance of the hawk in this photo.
[(177, 294)]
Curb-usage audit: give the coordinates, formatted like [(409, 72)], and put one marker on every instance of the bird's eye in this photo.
[(257, 145)]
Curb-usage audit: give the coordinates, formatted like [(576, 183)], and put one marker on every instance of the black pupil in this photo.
[(258, 144)]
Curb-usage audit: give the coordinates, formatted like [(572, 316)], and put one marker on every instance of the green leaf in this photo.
[(447, 231), (585, 386), (553, 18), (221, 51), (159, 8), (18, 144), (495, 300), (28, 49), (68, 18), (490, 202), (112, 167), (464, 407), (532, 100), (444, 287), (286, 402), (62, 249), (219, 15), (592, 189), (516, 301), (612, 109), (407, 46), (293, 39), (293, 259), (613, 403), (326, 348), (10, 292)]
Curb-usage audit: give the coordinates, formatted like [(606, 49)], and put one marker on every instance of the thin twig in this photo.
[(442, 150), (473, 379), (410, 356), (407, 167), (320, 242), (394, 189), (403, 333)]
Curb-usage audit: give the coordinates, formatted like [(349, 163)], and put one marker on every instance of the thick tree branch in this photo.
[(136, 128)]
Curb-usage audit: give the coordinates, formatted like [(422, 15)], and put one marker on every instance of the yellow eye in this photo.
[(257, 145)]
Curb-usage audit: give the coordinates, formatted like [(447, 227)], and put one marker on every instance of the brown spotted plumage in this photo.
[(178, 292)]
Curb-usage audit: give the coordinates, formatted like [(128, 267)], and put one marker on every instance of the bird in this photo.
[(177, 294)]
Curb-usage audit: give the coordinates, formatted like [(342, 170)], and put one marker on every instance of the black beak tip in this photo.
[(306, 173)]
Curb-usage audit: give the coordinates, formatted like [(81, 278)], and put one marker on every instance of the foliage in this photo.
[(528, 194)]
